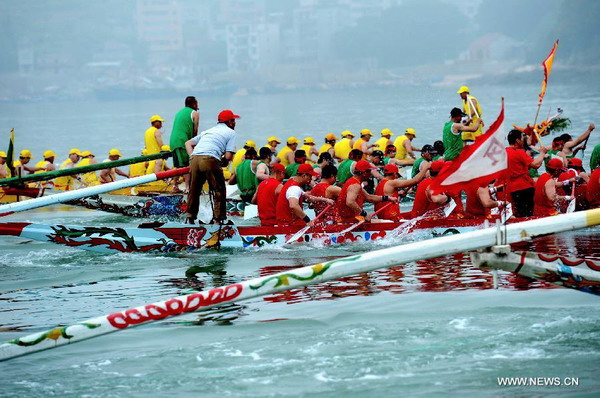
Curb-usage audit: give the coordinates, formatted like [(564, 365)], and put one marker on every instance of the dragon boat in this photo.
[(177, 237)]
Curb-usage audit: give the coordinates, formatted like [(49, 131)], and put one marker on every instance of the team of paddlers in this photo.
[(340, 175)]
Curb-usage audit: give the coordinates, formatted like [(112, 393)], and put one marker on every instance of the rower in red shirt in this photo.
[(289, 203), (426, 200), (479, 200), (390, 185), (349, 204), (593, 190), (576, 173), (519, 184), (545, 196), (326, 189), (267, 193)]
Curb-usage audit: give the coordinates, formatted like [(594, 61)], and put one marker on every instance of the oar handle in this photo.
[(323, 212)]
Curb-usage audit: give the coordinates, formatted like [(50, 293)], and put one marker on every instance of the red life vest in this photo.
[(266, 201), (320, 191), (593, 189), (474, 208), (542, 205), (391, 212), (422, 203), (284, 213), (345, 213)]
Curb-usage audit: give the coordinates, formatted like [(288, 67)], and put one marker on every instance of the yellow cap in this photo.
[(114, 152), (386, 133), (49, 154), (156, 118), (331, 137), (463, 89), (74, 151), (309, 140), (251, 144), (293, 140), (366, 132), (2, 154), (25, 153), (411, 131), (144, 152), (273, 138), (85, 154), (347, 133), (165, 148)]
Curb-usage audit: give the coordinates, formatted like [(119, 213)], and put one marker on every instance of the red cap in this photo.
[(307, 169), (390, 168), (575, 162), (226, 115), (437, 165), (556, 164), (278, 167), (566, 175), (363, 165)]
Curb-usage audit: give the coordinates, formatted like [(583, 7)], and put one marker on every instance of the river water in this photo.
[(434, 327)]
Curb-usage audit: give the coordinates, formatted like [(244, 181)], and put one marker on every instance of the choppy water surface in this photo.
[(434, 327)]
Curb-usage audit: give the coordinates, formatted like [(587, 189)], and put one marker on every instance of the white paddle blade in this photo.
[(506, 213), (297, 235), (449, 208), (250, 211), (571, 206)]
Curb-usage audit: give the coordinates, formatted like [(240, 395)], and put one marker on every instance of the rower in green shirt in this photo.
[(299, 158), (346, 168), (427, 153), (452, 138)]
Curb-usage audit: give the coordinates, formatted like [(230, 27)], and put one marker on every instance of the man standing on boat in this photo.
[(289, 203), (349, 204), (519, 184), (185, 126), (472, 109), (452, 139), (206, 151), (153, 136)]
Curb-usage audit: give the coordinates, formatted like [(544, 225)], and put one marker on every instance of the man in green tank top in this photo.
[(245, 175), (292, 168), (346, 168), (427, 153), (185, 126), (452, 138)]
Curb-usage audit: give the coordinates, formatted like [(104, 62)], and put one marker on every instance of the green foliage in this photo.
[(559, 124)]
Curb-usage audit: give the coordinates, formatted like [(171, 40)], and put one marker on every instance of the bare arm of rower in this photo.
[(121, 173), (351, 197), (313, 199), (333, 191), (196, 120), (462, 127), (290, 157), (262, 172), (537, 162), (581, 138), (550, 190), (483, 193), (296, 208), (189, 146), (376, 174), (398, 184), (158, 137), (409, 148)]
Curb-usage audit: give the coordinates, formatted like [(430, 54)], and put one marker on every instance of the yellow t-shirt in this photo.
[(342, 148), (65, 183), (89, 179), (138, 169), (41, 164), (325, 148), (238, 158), (471, 135), (382, 143), (150, 140), (282, 153), (401, 152), (309, 157)]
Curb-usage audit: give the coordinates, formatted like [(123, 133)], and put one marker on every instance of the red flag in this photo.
[(547, 64), (485, 160)]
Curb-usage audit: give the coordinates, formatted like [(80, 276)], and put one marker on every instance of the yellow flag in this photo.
[(547, 64)]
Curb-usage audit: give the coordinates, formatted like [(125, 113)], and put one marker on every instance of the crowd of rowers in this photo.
[(366, 173)]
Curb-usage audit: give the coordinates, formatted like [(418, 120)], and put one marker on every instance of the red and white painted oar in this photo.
[(16, 207)]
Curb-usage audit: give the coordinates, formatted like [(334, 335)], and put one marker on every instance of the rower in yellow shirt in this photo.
[(473, 110), (405, 148), (238, 158), (286, 155), (4, 170), (272, 143), (330, 140), (385, 140), (20, 166), (89, 179), (344, 146), (362, 144), (310, 148), (47, 164), (153, 136), (66, 183), (139, 169)]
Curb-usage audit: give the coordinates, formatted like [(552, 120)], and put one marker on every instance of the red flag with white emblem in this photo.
[(481, 162)]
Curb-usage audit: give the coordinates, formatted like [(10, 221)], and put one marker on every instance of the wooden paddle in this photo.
[(361, 222), (298, 234)]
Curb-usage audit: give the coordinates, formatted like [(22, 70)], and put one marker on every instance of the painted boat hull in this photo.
[(176, 237)]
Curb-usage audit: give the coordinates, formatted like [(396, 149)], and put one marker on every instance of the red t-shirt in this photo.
[(266, 200), (518, 170), (284, 213), (593, 189), (543, 206), (345, 213)]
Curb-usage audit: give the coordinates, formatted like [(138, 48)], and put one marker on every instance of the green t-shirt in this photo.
[(452, 142), (246, 179), (291, 170), (344, 171), (417, 166), (595, 159), (183, 128)]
